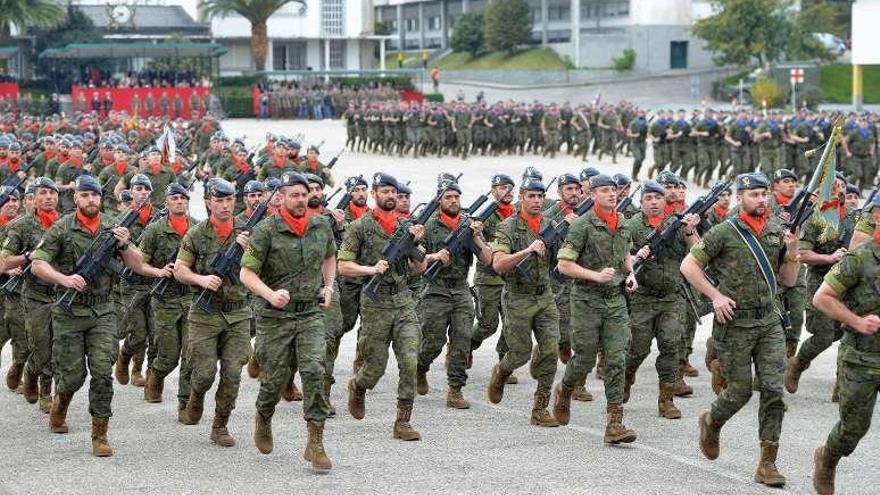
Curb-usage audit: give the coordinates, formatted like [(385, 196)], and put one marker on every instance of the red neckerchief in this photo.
[(877, 236), (179, 224), (177, 166), (782, 200), (402, 214), (223, 229), (834, 203), (4, 220), (242, 166), (386, 219), (505, 209), (297, 225), (144, 214), (673, 208), (279, 163), (721, 212), (13, 165), (105, 161), (450, 222), (357, 211), (610, 218), (75, 162), (756, 224), (47, 218), (313, 165), (534, 222), (121, 167), (49, 154), (155, 169), (654, 222), (91, 224), (565, 208)]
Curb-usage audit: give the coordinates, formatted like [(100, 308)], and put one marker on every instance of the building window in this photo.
[(412, 25), (559, 13), (592, 9), (434, 23), (535, 13), (333, 17), (337, 54)]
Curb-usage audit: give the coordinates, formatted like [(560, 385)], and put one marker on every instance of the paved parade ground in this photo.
[(486, 449)]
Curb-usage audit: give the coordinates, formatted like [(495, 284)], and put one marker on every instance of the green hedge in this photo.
[(398, 82), (237, 106), (238, 81), (434, 97)]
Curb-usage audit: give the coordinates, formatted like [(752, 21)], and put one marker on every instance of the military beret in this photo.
[(291, 178), (447, 185), (30, 188), (107, 145), (45, 182), (292, 143), (443, 177), (76, 143), (314, 148), (125, 196), (784, 173), (140, 180), (532, 173), (382, 179), (404, 189), (668, 178), (4, 143), (14, 193), (566, 179), (272, 183), (88, 183), (353, 182), (840, 175), (532, 184), (652, 186), (220, 188), (176, 188), (587, 173), (499, 179), (254, 186), (620, 180), (601, 180), (853, 189), (152, 149), (745, 182), (122, 147), (15, 146)]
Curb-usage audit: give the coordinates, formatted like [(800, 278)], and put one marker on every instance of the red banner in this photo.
[(409, 95), (9, 90), (165, 101)]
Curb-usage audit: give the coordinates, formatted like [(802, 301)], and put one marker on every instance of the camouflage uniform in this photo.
[(12, 325), (488, 286)]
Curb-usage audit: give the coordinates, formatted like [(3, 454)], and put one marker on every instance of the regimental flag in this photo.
[(167, 146), (827, 214)]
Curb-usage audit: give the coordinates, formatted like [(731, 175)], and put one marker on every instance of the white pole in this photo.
[(382, 53), (793, 95)]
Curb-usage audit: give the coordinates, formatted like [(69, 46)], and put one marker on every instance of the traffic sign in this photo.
[(797, 76)]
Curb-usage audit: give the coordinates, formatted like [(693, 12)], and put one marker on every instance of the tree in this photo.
[(25, 14), (468, 34), (257, 12), (507, 25)]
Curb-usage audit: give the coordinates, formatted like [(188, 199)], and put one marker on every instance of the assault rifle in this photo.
[(125, 272), (462, 237), (624, 204), (226, 265), (553, 234)]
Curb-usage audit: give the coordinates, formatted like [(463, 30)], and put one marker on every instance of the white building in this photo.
[(658, 30)]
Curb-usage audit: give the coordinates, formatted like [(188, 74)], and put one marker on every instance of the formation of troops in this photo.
[(105, 271)]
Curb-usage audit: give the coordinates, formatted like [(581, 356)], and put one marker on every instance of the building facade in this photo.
[(590, 33)]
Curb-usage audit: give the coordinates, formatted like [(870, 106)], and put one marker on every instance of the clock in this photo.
[(120, 15)]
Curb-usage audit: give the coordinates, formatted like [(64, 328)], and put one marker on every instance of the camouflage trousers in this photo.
[(218, 337), (284, 345), (333, 324), (170, 338), (491, 313), (562, 294), (391, 319), (651, 319), (795, 300), (771, 160), (349, 310), (638, 152), (447, 311), (688, 331), (84, 345), (738, 347), (39, 328), (524, 315), (739, 161), (661, 158), (136, 323), (12, 328), (824, 330), (859, 383), (600, 324)]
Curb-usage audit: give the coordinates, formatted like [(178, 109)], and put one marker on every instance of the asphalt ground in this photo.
[(486, 449)]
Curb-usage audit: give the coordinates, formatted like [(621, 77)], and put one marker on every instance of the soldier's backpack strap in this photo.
[(759, 254)]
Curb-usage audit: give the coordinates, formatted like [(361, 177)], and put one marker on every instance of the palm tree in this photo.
[(27, 13), (257, 12)]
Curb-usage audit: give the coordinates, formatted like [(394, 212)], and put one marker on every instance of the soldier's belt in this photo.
[(176, 289), (228, 306), (91, 299), (389, 289), (450, 283), (297, 306), (45, 290), (753, 313), (530, 290), (135, 280)]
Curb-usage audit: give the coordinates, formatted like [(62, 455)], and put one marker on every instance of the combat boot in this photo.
[(496, 384), (357, 406), (58, 413), (219, 433), (824, 468), (562, 403), (314, 452), (767, 473), (628, 381), (13, 376), (100, 447), (615, 431), (580, 392), (422, 382), (327, 385), (45, 394), (263, 432), (291, 393), (793, 370), (540, 415), (402, 429), (564, 354), (718, 382), (682, 389), (181, 412), (511, 380), (455, 399), (790, 348), (665, 405), (253, 368), (137, 364), (194, 408), (121, 370), (710, 436), (31, 387), (689, 371), (153, 388)]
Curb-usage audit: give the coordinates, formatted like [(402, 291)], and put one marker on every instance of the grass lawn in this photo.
[(534, 59), (837, 83)]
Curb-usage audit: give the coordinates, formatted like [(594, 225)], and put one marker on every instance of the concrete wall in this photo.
[(651, 43)]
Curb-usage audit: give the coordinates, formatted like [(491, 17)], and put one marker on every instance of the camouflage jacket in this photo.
[(199, 247), (158, 244), (856, 278), (435, 233), (591, 245), (159, 183), (21, 235), (513, 235), (484, 274), (810, 242), (660, 277), (364, 242)]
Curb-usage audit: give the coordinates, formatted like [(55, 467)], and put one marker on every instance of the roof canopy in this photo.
[(129, 50), (8, 51)]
